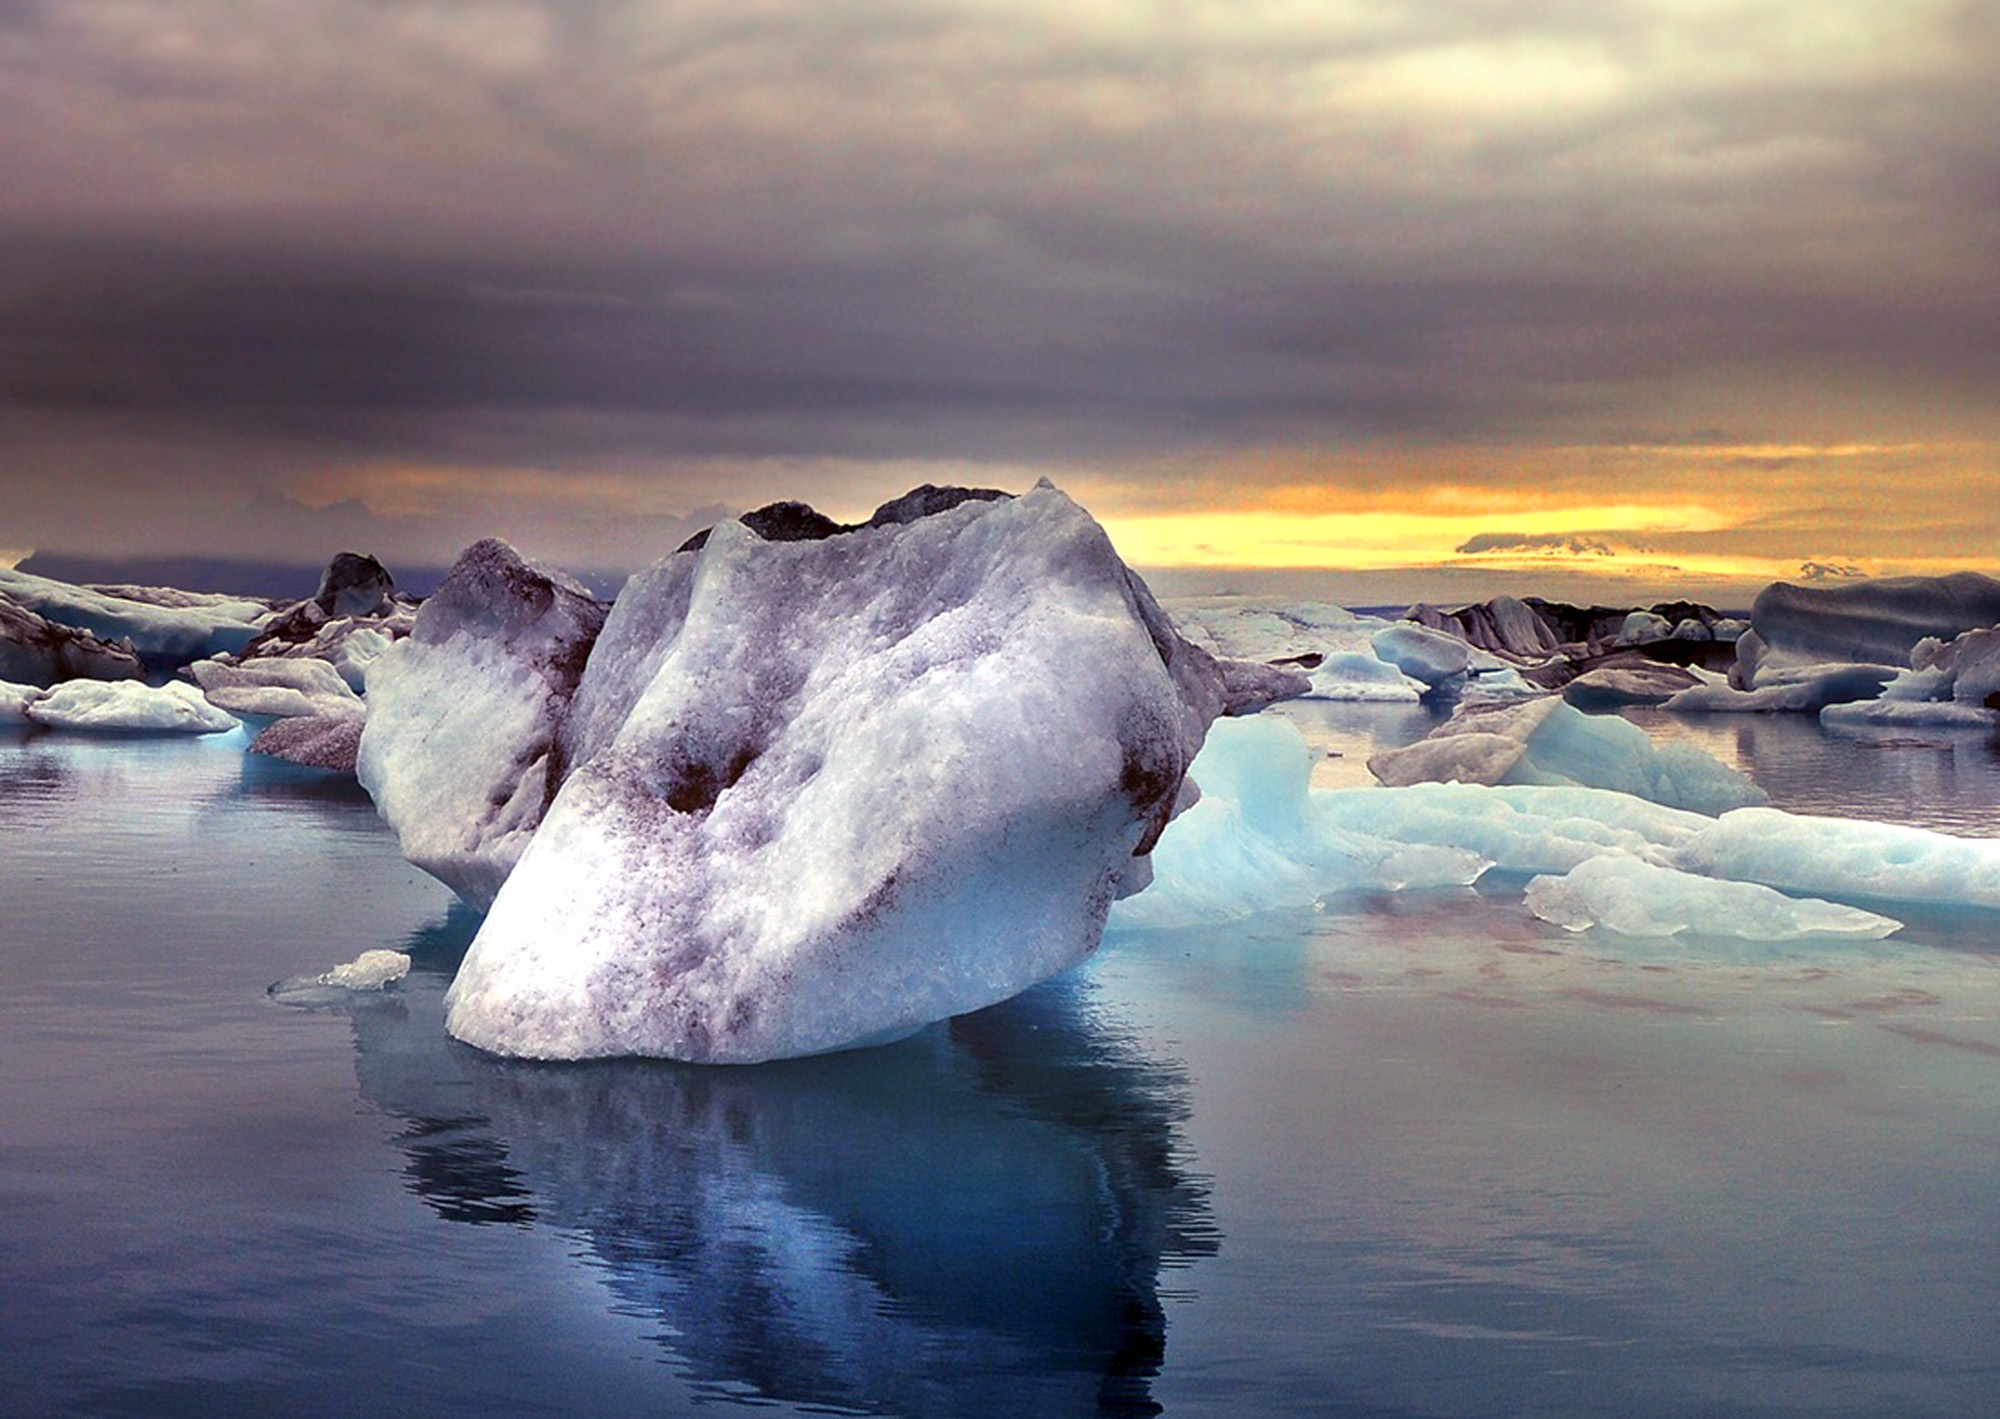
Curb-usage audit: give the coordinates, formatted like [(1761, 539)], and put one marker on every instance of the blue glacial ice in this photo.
[(1548, 741), (1636, 898), (163, 625), (1259, 839)]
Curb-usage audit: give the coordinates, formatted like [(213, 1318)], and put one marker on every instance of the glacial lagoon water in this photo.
[(1417, 1155)]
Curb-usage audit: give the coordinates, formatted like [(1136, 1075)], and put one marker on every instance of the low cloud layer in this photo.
[(660, 254)]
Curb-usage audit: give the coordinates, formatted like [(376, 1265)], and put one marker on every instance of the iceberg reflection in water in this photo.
[(1466, 1163), (972, 1221)]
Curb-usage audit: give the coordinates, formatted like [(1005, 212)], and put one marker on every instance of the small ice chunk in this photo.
[(128, 707), (1635, 898), (370, 973), (15, 699), (371, 970), (1644, 628), (1610, 686), (1237, 627), (1358, 676), (278, 686), (1423, 654)]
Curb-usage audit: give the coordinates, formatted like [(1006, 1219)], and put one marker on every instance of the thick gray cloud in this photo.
[(523, 233)]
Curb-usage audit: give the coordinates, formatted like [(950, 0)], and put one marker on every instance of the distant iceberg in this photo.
[(1548, 741), (1263, 840), (1820, 650), (127, 707), (164, 626)]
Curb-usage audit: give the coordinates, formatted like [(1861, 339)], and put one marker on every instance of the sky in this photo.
[(1688, 290)]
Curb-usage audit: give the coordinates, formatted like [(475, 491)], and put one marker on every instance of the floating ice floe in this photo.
[(37, 651), (1363, 676), (1636, 898), (369, 973), (1519, 829), (1953, 685), (823, 792), (278, 688), (1254, 837), (1267, 840), (1847, 857), (128, 707), (1609, 687), (1433, 657), (164, 626), (1805, 689), (1245, 628), (1550, 742)]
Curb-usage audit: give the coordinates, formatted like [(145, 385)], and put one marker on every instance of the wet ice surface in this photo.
[(1417, 1154)]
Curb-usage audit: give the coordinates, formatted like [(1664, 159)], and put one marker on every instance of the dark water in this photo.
[(1406, 1156)]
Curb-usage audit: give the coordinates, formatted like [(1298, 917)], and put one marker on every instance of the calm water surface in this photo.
[(1406, 1156)]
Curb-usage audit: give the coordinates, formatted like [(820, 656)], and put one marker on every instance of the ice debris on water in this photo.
[(1259, 838), (1634, 898), (370, 972)]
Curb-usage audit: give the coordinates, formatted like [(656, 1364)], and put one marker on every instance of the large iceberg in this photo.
[(459, 747), (1867, 622), (1548, 741), (822, 792)]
